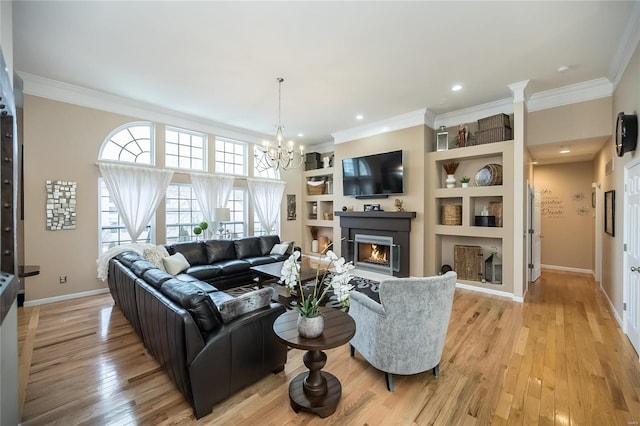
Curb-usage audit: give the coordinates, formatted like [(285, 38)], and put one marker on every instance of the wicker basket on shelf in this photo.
[(452, 214), (315, 187)]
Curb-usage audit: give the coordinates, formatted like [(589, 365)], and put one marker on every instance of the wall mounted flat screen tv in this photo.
[(378, 175)]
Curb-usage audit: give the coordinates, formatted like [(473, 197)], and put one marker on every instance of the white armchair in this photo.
[(405, 332)]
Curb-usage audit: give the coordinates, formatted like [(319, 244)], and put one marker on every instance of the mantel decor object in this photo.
[(442, 139)]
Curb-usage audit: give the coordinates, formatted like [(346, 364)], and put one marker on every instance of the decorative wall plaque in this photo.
[(61, 205)]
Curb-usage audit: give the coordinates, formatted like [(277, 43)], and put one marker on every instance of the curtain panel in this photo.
[(212, 192), (136, 192), (267, 198)]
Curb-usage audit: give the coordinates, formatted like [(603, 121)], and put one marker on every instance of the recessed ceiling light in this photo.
[(300, 135), (456, 87), (563, 68), (359, 117), (564, 150), (534, 162)]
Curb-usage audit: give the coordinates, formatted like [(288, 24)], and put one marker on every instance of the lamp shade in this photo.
[(223, 214)]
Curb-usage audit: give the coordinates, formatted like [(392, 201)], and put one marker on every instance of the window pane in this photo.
[(182, 213), (129, 143), (180, 143)]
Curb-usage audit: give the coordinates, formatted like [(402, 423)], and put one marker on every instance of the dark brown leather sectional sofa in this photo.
[(177, 318)]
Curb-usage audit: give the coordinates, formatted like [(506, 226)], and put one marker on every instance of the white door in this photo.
[(536, 235), (631, 295)]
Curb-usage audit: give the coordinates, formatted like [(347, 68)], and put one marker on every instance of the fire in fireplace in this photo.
[(375, 253)]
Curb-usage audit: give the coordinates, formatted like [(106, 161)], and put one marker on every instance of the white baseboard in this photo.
[(64, 297), (612, 308), (490, 291), (568, 269)]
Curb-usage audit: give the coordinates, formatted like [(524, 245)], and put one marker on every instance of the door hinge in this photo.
[(624, 306), (624, 247), (530, 266), (530, 231)]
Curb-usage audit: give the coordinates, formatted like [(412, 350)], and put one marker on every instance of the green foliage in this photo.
[(465, 179), (197, 230)]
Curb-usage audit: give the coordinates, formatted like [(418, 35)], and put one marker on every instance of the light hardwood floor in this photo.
[(559, 358)]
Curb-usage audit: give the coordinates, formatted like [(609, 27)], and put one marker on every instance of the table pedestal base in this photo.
[(322, 405)]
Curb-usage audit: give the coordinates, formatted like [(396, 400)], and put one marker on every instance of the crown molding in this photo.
[(402, 121), (76, 95), (474, 113), (628, 44), (430, 119), (572, 94)]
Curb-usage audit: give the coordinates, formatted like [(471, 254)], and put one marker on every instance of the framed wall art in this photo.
[(610, 212)]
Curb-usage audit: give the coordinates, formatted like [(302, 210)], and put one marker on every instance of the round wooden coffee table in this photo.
[(316, 391)]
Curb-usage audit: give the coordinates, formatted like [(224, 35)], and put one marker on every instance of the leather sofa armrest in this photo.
[(236, 355)]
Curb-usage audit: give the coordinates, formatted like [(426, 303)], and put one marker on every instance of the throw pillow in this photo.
[(280, 248), (175, 264), (245, 303), (155, 255)]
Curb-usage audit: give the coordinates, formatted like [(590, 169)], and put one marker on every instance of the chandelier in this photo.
[(279, 157)]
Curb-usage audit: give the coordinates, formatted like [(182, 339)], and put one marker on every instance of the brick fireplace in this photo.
[(377, 241)]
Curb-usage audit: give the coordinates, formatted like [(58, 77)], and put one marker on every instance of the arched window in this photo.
[(130, 143)]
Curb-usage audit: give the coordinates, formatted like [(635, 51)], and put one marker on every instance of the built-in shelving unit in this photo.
[(442, 238), (318, 210)]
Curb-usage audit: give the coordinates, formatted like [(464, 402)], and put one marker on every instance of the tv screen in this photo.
[(379, 174)]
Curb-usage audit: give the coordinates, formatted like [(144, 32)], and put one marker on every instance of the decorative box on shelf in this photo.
[(312, 161), (494, 121), (468, 262), (485, 221)]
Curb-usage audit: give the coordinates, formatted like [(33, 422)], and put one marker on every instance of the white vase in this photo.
[(310, 328), (451, 181), (314, 246), (465, 184)]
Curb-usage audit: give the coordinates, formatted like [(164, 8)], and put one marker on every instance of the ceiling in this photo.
[(218, 61)]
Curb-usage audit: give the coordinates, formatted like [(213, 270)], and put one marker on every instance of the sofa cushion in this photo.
[(193, 251), (247, 247), (204, 272), (155, 255), (267, 242), (175, 263), (280, 248), (245, 303), (260, 260), (218, 250), (139, 267), (128, 257), (195, 301), (233, 266), (156, 277)]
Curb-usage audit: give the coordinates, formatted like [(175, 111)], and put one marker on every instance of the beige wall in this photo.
[(567, 215), (583, 120), (62, 142), (626, 98), (412, 142)]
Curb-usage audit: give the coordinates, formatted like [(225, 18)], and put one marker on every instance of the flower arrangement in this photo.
[(309, 305), (450, 167), (465, 179)]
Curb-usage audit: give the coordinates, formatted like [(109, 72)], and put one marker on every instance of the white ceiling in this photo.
[(218, 61)]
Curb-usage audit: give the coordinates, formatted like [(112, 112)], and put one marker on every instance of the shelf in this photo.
[(316, 222), (319, 172), (323, 197), (470, 231), (472, 191), (471, 152)]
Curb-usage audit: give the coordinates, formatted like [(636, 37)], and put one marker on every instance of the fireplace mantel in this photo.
[(379, 214), (393, 224)]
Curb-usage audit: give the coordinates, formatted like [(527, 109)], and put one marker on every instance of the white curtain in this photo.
[(212, 192), (136, 191), (267, 198)]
